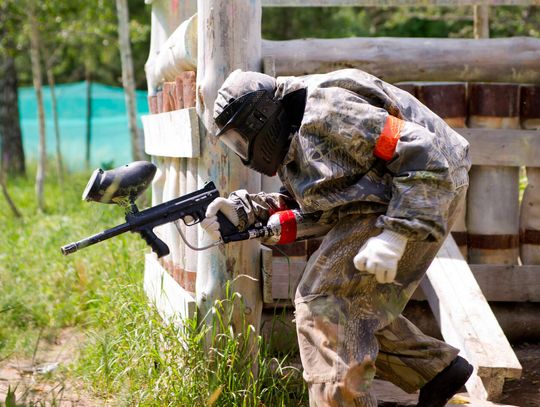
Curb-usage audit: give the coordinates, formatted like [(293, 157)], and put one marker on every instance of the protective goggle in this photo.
[(244, 120)]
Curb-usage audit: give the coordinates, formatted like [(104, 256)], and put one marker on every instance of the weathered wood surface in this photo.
[(493, 195), (530, 205), (172, 302), (503, 147), (172, 134), (229, 38), (391, 3), (166, 18), (504, 283), (511, 283), (467, 322), (412, 59)]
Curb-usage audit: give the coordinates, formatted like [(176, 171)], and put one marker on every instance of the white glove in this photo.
[(210, 223), (380, 255)]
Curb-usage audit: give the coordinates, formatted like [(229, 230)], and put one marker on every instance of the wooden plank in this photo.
[(413, 59), (391, 3), (173, 303), (503, 147), (467, 322), (508, 283), (504, 283), (172, 134)]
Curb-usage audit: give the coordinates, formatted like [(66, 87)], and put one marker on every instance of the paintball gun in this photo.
[(123, 185)]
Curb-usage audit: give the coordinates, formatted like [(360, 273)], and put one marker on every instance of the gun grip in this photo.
[(225, 226), (158, 246)]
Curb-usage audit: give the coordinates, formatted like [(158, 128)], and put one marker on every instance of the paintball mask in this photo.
[(257, 128)]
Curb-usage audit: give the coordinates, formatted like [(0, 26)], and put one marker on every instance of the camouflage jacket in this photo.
[(365, 146)]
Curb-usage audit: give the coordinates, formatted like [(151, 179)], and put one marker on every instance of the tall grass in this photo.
[(129, 356)]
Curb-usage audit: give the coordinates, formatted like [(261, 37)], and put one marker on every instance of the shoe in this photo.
[(442, 387)]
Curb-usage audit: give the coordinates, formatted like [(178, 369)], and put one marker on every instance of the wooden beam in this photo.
[(467, 322), (503, 147), (173, 303), (391, 3), (508, 282), (172, 134), (504, 283), (413, 59)]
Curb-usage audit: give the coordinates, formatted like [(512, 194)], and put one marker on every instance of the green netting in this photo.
[(110, 138)]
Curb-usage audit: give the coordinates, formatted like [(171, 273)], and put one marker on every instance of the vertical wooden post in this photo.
[(481, 21), (229, 34), (493, 196), (530, 206)]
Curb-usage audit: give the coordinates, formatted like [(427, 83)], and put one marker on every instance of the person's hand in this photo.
[(380, 255), (210, 223)]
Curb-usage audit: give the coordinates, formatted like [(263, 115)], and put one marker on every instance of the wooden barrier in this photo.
[(413, 59), (530, 205), (493, 196)]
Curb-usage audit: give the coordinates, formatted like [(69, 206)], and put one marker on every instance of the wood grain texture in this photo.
[(412, 59)]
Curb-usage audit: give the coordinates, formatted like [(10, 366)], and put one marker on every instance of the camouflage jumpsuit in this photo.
[(348, 325)]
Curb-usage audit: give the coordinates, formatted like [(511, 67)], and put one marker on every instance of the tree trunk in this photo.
[(11, 146), (128, 80), (36, 74), (59, 164)]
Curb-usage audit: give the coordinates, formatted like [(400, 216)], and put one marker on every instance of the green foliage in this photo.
[(428, 21)]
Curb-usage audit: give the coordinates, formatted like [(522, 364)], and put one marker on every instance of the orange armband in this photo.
[(387, 142)]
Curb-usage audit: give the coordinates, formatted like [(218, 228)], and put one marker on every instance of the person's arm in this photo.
[(244, 209)]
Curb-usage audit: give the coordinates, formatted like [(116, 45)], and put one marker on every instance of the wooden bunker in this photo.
[(494, 252)]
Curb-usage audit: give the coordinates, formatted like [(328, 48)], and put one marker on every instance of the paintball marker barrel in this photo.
[(98, 237)]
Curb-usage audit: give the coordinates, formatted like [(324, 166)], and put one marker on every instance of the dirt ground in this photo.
[(42, 380), (34, 385), (526, 391)]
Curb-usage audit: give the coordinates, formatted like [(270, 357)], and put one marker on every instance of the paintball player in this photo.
[(390, 175)]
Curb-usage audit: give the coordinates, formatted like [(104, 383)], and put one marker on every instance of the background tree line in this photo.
[(60, 41)]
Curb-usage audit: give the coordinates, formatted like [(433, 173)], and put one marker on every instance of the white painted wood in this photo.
[(500, 147), (413, 59), (467, 322), (173, 303), (229, 38), (172, 134), (391, 3), (166, 17), (176, 55)]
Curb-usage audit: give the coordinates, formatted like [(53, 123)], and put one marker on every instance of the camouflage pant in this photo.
[(349, 326)]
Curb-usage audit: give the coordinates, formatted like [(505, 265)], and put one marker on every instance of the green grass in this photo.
[(129, 356)]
